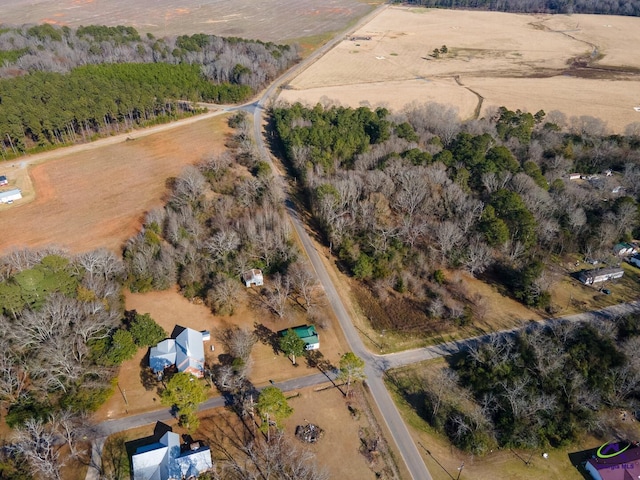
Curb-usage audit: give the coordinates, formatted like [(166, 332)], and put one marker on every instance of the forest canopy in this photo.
[(400, 196), (60, 86)]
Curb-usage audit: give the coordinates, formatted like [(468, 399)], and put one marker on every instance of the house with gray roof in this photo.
[(168, 460), (186, 352)]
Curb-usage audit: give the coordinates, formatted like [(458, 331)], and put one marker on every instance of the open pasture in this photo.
[(527, 62), (98, 197), (268, 20)]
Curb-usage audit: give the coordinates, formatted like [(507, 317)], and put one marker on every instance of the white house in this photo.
[(186, 352), (165, 460), (10, 195), (589, 277), (253, 277)]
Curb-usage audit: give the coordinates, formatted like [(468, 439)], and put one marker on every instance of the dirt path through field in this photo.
[(96, 195)]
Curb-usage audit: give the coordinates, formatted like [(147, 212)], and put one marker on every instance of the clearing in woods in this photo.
[(577, 64), (98, 197)]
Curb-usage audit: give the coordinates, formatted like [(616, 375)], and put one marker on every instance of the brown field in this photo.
[(519, 61), (269, 20), (98, 197)]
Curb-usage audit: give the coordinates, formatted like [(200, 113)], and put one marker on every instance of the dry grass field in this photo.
[(268, 20), (527, 62), (98, 197)]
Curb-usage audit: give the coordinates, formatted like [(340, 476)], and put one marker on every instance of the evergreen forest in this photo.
[(60, 86)]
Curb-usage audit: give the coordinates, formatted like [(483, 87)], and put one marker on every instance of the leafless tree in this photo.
[(239, 342), (478, 256), (224, 294), (38, 443), (277, 296), (447, 236), (304, 283)]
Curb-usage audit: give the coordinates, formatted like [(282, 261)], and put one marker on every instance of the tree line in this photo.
[(64, 333), (545, 386), (63, 86), (398, 197), (602, 7)]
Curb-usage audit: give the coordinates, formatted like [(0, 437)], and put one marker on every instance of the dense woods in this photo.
[(603, 7), (545, 386), (401, 197), (61, 86)]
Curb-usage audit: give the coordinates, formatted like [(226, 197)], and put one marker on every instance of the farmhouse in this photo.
[(168, 460), (10, 195), (589, 277), (253, 277), (186, 352), (615, 461), (3, 181), (307, 333)]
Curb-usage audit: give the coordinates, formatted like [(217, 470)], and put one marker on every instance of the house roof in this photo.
[(190, 351), (614, 461), (253, 274), (10, 193), (186, 352), (165, 461), (307, 333)]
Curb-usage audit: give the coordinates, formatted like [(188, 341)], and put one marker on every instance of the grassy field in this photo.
[(269, 20), (98, 197), (527, 62)]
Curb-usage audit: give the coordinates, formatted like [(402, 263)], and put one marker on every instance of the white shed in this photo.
[(10, 195)]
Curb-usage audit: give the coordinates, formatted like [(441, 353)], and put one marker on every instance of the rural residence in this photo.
[(624, 249), (168, 460), (253, 277), (615, 461), (3, 181), (10, 195), (186, 352), (589, 277), (635, 260), (307, 333)]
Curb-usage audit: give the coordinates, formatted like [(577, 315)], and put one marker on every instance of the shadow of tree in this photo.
[(315, 359), (148, 379), (267, 337)]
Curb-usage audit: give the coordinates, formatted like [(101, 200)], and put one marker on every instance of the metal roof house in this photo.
[(624, 249), (186, 352), (307, 333), (166, 460), (589, 277), (253, 277), (10, 195), (615, 461)]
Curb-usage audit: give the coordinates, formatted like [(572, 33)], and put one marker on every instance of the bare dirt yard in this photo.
[(578, 64), (170, 308), (98, 197), (268, 20)]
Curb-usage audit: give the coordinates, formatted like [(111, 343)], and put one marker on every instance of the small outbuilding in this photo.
[(253, 277), (635, 260), (589, 277), (10, 195), (3, 181), (307, 333), (624, 249)]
